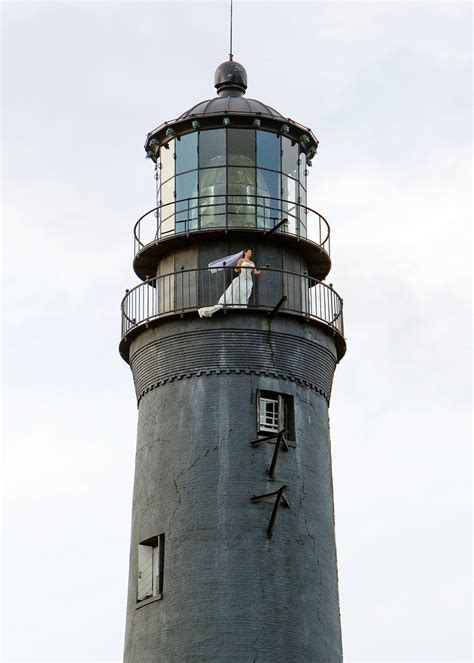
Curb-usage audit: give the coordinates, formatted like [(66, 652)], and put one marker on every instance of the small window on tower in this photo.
[(274, 413), (269, 413), (150, 568)]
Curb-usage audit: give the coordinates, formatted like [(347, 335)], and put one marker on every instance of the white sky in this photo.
[(386, 87)]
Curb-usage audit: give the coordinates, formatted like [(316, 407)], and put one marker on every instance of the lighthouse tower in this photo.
[(233, 554)]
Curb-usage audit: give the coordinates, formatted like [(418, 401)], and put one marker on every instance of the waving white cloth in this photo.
[(237, 294), (228, 261)]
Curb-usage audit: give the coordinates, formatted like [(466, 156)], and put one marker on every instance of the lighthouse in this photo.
[(232, 336)]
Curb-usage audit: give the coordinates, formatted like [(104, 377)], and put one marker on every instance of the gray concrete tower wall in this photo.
[(231, 593)]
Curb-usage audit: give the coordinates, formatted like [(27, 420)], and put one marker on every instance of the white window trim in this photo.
[(279, 399), (149, 571)]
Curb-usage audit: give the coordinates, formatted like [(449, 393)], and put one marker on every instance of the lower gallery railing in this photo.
[(196, 289)]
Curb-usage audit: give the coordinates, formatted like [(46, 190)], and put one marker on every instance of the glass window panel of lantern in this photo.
[(241, 196), (157, 181), (186, 201), (241, 147), (167, 160), (212, 148), (212, 190), (241, 181), (303, 213), (289, 157), (268, 150), (167, 207), (302, 169), (268, 198), (186, 153), (290, 197)]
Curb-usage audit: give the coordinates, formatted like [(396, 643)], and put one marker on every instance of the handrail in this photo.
[(190, 289), (222, 211)]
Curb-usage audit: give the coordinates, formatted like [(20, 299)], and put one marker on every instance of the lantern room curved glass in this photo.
[(245, 178)]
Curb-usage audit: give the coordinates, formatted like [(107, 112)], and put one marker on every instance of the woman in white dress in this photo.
[(238, 293)]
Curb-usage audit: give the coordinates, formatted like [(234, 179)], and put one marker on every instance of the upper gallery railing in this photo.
[(192, 289), (230, 211)]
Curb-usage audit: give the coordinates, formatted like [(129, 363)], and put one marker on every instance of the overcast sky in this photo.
[(386, 87)]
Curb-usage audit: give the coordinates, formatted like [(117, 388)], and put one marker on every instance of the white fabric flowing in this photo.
[(237, 294), (227, 261)]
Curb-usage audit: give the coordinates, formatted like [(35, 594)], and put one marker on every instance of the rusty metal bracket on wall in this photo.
[(279, 499), (279, 439)]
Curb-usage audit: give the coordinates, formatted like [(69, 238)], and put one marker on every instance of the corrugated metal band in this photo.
[(254, 352)]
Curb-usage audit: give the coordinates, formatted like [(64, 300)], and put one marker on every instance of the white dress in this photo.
[(237, 294)]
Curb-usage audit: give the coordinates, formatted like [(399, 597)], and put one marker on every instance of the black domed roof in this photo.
[(225, 104), (230, 81)]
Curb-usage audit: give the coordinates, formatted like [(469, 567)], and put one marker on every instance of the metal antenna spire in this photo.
[(231, 57)]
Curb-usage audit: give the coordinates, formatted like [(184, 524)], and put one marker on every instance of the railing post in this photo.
[(125, 303), (305, 294), (146, 288), (224, 285), (157, 295)]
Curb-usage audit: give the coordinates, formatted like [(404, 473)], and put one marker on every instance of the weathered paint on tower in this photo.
[(233, 553)]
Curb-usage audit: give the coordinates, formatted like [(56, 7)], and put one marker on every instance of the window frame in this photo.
[(286, 414), (265, 398), (156, 544)]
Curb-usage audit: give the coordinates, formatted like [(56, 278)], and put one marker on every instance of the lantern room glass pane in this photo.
[(302, 198), (290, 196), (241, 196), (157, 180), (187, 185), (241, 147), (167, 161), (268, 203), (241, 181), (268, 150), (186, 153), (167, 207), (268, 183), (303, 217), (212, 182), (290, 157), (212, 152), (290, 189), (212, 190), (302, 169), (186, 201)]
